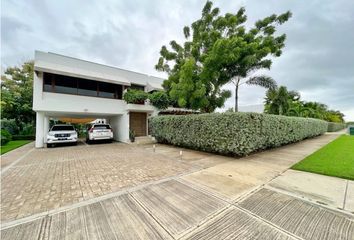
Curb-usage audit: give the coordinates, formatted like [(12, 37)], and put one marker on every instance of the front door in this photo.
[(137, 123)]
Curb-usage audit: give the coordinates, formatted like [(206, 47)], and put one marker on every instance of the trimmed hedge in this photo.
[(334, 127), (23, 137), (235, 134)]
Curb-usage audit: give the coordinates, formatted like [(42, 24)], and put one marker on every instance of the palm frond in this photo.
[(262, 81)]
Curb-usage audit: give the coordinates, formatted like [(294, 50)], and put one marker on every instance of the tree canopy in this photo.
[(280, 101), (16, 94), (219, 49)]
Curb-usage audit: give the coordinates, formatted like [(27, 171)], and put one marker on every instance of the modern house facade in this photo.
[(66, 87)]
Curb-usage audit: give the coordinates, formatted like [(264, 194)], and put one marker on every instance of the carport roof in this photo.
[(60, 64)]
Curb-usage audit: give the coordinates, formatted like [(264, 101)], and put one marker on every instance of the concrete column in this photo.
[(39, 130), (45, 128)]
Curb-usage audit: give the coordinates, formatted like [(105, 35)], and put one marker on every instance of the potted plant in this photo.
[(132, 135), (135, 96)]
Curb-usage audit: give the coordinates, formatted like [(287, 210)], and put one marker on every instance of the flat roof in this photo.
[(70, 66)]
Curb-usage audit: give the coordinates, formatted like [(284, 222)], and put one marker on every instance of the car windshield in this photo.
[(102, 126), (62, 128)]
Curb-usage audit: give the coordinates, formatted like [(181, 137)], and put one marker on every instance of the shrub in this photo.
[(334, 127), (23, 137), (10, 125), (159, 99), (5, 137), (27, 129), (235, 134), (135, 96)]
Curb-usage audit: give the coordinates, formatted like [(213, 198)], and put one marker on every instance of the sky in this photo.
[(318, 60)]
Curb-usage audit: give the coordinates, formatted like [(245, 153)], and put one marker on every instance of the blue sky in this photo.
[(318, 59)]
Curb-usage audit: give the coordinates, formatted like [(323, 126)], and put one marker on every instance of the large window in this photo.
[(78, 86)]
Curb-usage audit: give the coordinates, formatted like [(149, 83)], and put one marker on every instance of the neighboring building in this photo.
[(66, 87)]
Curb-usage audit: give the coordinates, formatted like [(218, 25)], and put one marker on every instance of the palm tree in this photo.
[(262, 81), (279, 101)]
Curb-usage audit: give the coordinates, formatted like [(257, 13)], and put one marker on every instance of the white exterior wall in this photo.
[(49, 104)]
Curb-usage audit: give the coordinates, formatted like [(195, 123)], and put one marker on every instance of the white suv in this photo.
[(61, 133), (99, 131)]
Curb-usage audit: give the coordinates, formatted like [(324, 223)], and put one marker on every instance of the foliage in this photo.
[(233, 133), (132, 135), (159, 99), (280, 101), (335, 159), (135, 96), (13, 145), (5, 137), (10, 125), (218, 50), (16, 94), (334, 127)]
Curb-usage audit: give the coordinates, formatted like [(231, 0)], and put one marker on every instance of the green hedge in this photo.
[(334, 127), (233, 133), (23, 137), (5, 136)]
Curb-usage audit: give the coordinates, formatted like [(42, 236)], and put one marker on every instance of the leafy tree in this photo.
[(159, 99), (16, 94), (218, 50)]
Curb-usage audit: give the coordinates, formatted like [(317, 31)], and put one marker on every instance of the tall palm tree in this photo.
[(262, 81)]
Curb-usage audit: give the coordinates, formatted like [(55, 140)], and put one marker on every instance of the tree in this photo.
[(218, 50), (280, 101), (17, 93)]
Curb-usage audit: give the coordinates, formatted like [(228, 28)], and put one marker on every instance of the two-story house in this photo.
[(66, 87)]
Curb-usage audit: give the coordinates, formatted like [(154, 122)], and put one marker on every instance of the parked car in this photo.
[(61, 133), (99, 131)]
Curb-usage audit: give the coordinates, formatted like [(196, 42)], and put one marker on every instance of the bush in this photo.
[(27, 129), (23, 137), (235, 134), (334, 127), (5, 137), (9, 125), (159, 99), (135, 96)]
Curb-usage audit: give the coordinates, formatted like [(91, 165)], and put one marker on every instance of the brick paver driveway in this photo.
[(119, 191), (46, 179)]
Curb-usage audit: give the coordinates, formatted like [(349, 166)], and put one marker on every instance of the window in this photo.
[(106, 90), (79, 86), (101, 126), (137, 87), (62, 128), (87, 88), (64, 84), (47, 80)]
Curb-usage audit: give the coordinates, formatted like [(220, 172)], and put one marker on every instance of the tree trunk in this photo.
[(236, 94)]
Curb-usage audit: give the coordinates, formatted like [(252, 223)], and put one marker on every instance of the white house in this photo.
[(66, 87)]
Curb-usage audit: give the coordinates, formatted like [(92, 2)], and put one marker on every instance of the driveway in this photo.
[(119, 191)]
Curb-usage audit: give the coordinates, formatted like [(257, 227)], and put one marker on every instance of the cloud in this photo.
[(317, 59)]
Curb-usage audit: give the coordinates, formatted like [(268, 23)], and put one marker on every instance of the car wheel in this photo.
[(49, 145)]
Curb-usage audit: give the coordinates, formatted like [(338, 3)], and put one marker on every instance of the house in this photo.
[(66, 87)]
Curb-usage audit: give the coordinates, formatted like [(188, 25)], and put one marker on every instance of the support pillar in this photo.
[(45, 128), (39, 130)]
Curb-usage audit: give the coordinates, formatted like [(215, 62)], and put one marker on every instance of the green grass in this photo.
[(13, 145), (335, 159)]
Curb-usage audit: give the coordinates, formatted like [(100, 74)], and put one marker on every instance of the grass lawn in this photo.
[(13, 144), (335, 159)]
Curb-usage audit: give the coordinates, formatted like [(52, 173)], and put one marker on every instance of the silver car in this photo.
[(61, 133), (99, 131)]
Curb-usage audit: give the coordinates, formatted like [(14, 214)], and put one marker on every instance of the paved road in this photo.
[(223, 199)]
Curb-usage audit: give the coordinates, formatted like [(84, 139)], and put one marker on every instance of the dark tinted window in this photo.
[(87, 87), (106, 90), (138, 87), (101, 126), (119, 93), (47, 78), (62, 128), (64, 84)]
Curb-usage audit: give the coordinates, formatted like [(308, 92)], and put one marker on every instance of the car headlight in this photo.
[(50, 134)]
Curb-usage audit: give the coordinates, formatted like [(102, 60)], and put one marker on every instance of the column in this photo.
[(39, 130)]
